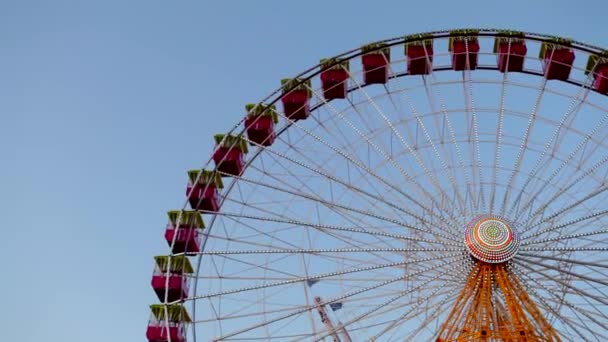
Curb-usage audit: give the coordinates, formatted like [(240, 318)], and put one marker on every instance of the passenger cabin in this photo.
[(376, 59), (334, 76), (171, 281), (464, 49), (419, 54), (259, 122), (167, 323), (599, 66), (184, 236), (202, 190), (557, 58), (296, 98), (229, 154), (511, 52)]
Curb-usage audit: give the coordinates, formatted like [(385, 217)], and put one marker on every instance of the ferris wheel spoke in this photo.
[(332, 250), (325, 302), (394, 204), (266, 266), (366, 320), (592, 216), (567, 322), (575, 204), (475, 153), (575, 289), (341, 261), (327, 254), (432, 91), (566, 249), (573, 108), (412, 107), (253, 237), (348, 240), (322, 227), (319, 170), (362, 327), (448, 299), (565, 237), (424, 326), (522, 147), (566, 123), (559, 301), (499, 133), (383, 153), (594, 267), (335, 205), (577, 275), (565, 190), (571, 156), (400, 320), (341, 213), (390, 301), (394, 308), (435, 91), (368, 171), (592, 316), (321, 276)]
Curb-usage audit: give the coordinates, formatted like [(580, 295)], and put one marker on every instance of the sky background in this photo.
[(104, 105)]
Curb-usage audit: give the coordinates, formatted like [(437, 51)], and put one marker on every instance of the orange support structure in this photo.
[(493, 306)]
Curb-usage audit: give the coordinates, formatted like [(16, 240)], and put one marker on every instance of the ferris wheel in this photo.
[(444, 186)]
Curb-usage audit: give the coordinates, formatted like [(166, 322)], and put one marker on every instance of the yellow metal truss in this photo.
[(494, 306)]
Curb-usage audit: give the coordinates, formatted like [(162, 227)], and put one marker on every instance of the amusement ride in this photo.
[(443, 186)]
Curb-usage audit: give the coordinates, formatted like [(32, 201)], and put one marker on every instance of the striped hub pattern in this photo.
[(491, 239)]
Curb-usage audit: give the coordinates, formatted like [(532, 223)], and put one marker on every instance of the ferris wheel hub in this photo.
[(491, 239)]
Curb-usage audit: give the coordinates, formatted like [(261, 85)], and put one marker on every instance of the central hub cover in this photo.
[(491, 239)]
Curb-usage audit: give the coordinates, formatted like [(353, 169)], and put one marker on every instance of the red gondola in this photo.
[(334, 75), (202, 191), (229, 154), (511, 52), (558, 58), (464, 50), (177, 285), (599, 66), (260, 123), (168, 323), (296, 95), (419, 54), (185, 237), (375, 60)]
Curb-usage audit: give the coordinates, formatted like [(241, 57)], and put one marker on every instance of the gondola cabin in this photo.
[(511, 52), (167, 323), (419, 55), (334, 76), (172, 282), (229, 154), (259, 122), (464, 49), (557, 58), (183, 237), (202, 190), (599, 66), (375, 59), (296, 98)]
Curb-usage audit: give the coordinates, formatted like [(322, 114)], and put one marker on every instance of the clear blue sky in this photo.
[(104, 105)]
